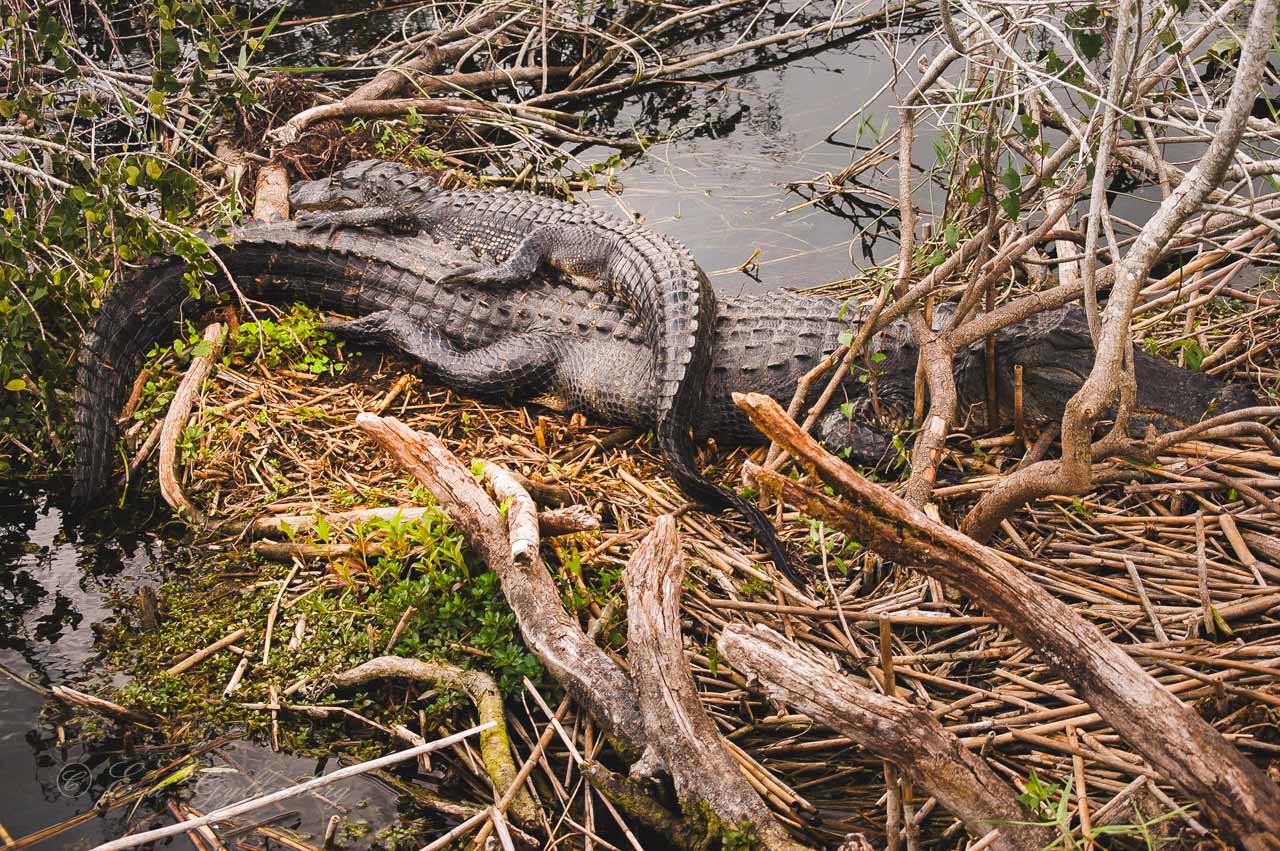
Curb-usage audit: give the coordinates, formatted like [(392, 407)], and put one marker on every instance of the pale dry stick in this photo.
[(444, 840), (1082, 789), (252, 804), (175, 422), (495, 745), (236, 676), (1228, 526), (1072, 475), (101, 706), (204, 653), (275, 610), (1202, 574), (399, 628), (1156, 626), (1118, 70)]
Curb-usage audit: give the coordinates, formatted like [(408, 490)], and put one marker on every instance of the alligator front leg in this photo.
[(392, 218), (520, 366), (570, 249)]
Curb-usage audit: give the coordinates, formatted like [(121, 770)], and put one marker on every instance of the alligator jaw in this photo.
[(323, 194)]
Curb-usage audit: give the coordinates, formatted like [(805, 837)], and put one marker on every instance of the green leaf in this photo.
[(878, 357), (1012, 206), (1090, 43), (1011, 180), (845, 338), (154, 169), (16, 385), (951, 233), (202, 349), (847, 410)]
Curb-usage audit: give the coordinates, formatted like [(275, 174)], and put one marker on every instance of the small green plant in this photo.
[(295, 340)]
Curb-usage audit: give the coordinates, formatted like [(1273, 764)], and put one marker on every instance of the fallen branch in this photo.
[(495, 743), (1191, 754), (908, 736), (581, 667), (711, 788)]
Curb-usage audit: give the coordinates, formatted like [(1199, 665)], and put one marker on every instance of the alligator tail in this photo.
[(136, 313), (699, 488), (143, 307)]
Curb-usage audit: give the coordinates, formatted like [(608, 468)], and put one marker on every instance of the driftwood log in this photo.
[(892, 729), (708, 782), (577, 663), (1233, 792)]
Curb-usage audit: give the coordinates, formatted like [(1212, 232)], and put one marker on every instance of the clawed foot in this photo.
[(322, 222), (481, 276)]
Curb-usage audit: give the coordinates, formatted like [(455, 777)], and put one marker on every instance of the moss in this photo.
[(459, 615)]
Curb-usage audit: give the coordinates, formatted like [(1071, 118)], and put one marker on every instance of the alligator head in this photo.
[(365, 183)]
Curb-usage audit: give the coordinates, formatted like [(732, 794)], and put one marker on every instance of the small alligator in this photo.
[(517, 234), (574, 349)]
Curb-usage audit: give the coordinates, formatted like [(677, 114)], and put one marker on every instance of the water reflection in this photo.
[(55, 584)]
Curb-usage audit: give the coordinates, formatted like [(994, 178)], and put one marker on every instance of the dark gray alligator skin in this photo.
[(515, 234), (581, 350)]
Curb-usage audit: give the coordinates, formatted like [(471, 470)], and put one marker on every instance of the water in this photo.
[(53, 590), (56, 584)]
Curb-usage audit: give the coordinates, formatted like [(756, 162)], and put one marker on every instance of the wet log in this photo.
[(577, 663), (892, 729), (1240, 799), (708, 782), (495, 743)]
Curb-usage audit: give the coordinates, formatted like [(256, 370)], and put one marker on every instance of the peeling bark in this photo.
[(705, 774), (577, 663), (894, 730)]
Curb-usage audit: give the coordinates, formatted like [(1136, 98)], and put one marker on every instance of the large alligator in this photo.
[(581, 350), (516, 235)]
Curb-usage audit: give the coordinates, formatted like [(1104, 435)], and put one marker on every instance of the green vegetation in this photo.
[(105, 182), (351, 609)]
